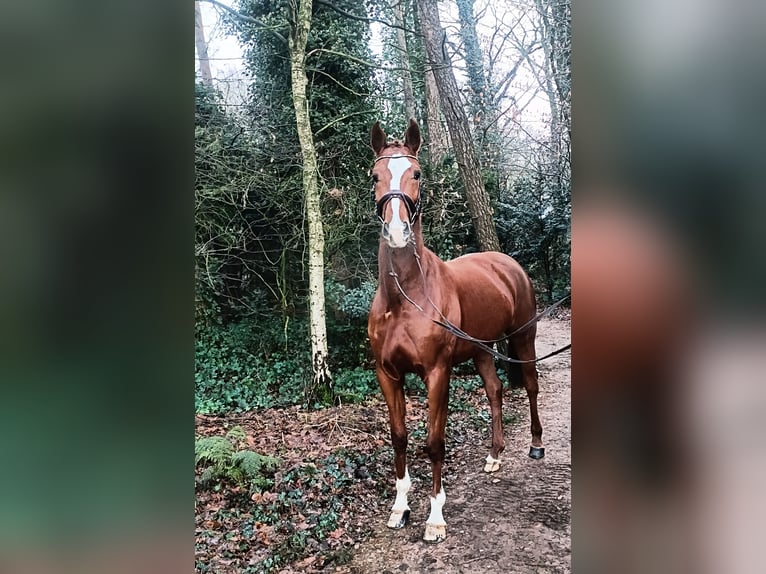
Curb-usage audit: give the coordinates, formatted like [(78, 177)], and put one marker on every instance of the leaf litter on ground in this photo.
[(334, 482)]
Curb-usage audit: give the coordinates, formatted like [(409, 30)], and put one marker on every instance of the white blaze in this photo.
[(397, 165), (396, 227)]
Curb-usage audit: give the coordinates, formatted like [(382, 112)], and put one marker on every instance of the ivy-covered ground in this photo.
[(286, 490)]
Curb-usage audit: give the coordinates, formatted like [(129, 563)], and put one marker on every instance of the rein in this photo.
[(460, 334)]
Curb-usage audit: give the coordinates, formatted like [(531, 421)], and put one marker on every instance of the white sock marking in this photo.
[(402, 488), (437, 503), (492, 464)]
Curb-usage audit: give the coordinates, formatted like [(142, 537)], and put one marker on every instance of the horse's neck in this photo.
[(408, 269)]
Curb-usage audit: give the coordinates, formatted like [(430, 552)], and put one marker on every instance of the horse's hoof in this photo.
[(492, 464), (399, 519), (435, 533), (536, 452)]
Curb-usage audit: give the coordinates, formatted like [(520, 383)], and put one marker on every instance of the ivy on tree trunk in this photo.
[(457, 122), (322, 380)]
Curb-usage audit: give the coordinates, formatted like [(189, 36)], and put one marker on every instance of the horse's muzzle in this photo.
[(397, 233)]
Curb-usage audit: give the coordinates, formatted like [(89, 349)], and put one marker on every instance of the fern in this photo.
[(216, 450), (252, 463), (208, 475), (236, 434), (223, 463)]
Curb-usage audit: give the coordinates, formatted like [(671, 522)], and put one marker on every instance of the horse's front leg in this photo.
[(437, 383), (393, 391)]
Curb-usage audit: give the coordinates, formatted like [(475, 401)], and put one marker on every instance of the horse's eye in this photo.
[(416, 175), (375, 177)]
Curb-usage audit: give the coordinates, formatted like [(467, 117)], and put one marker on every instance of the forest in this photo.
[(283, 213), (292, 452)]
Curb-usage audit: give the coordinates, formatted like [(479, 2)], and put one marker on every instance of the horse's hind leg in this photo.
[(393, 391), (524, 347), (512, 370), (485, 365)]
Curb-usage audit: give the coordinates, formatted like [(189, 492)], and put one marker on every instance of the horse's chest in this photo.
[(412, 344)]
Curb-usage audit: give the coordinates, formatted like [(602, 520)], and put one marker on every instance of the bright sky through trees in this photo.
[(226, 56)]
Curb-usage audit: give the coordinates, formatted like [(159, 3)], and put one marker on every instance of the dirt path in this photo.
[(516, 520)]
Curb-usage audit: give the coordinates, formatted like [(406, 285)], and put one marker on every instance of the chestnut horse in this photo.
[(487, 295)]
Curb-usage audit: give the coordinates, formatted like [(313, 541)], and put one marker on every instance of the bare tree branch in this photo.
[(352, 58), (245, 18), (364, 19), (342, 118)]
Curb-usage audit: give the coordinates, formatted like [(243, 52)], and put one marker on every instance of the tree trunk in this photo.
[(201, 44), (438, 141), (483, 113), (556, 31), (556, 18), (322, 379), (404, 60), (477, 80), (457, 122)]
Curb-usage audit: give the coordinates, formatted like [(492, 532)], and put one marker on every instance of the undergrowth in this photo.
[(263, 360), (222, 461), (302, 514)]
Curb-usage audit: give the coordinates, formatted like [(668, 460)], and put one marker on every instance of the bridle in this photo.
[(413, 210), (413, 207)]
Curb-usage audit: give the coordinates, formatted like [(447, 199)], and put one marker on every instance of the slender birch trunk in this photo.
[(322, 379), (201, 45)]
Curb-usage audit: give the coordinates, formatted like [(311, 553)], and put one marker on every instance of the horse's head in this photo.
[(396, 181)]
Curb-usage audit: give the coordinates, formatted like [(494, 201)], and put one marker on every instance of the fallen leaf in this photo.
[(337, 533)]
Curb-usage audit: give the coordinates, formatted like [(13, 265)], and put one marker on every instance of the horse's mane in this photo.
[(394, 143)]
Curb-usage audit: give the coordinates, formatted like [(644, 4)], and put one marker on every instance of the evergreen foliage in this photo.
[(222, 462), (534, 227), (252, 337)]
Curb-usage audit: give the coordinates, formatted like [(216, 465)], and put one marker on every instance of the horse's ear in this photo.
[(412, 136), (377, 138)]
